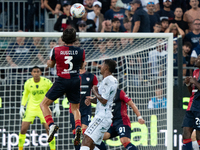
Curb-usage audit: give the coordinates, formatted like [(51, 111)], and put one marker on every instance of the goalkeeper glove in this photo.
[(22, 111), (57, 110)]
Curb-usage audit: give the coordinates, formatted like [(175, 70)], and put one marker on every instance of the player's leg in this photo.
[(52, 144), (188, 127), (87, 143), (195, 145), (127, 144), (22, 134), (198, 137)]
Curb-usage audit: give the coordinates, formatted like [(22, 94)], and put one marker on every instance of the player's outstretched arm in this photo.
[(51, 63), (136, 111), (98, 96)]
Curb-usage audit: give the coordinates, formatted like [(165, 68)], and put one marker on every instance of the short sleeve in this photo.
[(95, 81), (52, 54), (83, 59), (124, 97)]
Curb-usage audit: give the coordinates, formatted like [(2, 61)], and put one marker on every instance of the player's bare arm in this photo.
[(51, 63), (188, 84), (136, 111), (195, 82), (98, 96), (90, 99)]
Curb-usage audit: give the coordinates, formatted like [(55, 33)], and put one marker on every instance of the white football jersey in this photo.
[(107, 89)]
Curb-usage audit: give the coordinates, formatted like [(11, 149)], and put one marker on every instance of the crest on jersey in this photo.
[(88, 79), (37, 86)]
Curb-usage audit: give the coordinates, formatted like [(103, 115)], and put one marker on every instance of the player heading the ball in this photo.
[(68, 60)]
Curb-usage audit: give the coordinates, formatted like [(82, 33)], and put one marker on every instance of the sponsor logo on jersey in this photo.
[(37, 86), (38, 92)]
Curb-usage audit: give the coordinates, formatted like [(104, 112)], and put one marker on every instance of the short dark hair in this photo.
[(165, 20), (126, 20), (158, 23), (115, 19), (35, 67), (69, 35), (111, 64), (187, 44), (52, 41)]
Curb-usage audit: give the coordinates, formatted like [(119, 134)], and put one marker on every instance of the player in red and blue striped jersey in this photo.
[(191, 120), (68, 60), (121, 124)]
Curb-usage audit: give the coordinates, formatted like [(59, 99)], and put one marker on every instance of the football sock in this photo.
[(84, 148), (83, 131), (187, 144), (77, 147), (198, 143), (129, 146), (78, 124), (49, 120), (52, 144), (102, 146), (21, 142)]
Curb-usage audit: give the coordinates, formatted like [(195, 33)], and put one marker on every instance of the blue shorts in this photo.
[(121, 130), (70, 87), (192, 120), (85, 119)]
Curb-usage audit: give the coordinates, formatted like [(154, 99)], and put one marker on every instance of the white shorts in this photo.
[(97, 127)]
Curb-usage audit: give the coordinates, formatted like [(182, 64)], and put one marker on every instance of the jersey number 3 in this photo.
[(68, 61)]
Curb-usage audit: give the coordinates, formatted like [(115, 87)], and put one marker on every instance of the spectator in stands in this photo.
[(158, 101), (52, 44), (178, 19), (166, 12), (157, 59), (140, 21), (192, 14), (153, 17), (127, 25), (52, 6), (175, 61), (164, 24), (157, 27), (155, 2), (21, 53), (175, 29), (89, 5), (106, 26), (186, 49), (65, 20), (195, 53), (96, 15), (37, 42), (90, 24), (124, 43), (116, 25), (115, 12), (82, 27), (194, 36)]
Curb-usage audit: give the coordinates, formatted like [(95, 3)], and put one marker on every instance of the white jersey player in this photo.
[(105, 93)]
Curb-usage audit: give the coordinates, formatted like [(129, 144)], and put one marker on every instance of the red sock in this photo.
[(185, 141), (77, 123), (125, 144), (74, 131), (83, 130), (49, 120), (198, 142)]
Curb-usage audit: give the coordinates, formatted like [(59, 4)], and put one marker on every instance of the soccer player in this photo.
[(121, 124), (68, 60), (104, 96), (35, 89), (191, 120), (88, 80)]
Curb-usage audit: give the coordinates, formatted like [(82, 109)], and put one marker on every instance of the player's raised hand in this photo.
[(88, 100), (57, 110), (22, 111), (141, 121)]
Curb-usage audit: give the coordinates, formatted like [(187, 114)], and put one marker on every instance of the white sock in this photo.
[(96, 148), (195, 145), (84, 148)]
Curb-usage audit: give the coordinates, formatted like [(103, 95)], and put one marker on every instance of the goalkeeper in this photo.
[(35, 89)]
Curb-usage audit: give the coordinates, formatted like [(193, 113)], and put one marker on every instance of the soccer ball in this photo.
[(77, 10)]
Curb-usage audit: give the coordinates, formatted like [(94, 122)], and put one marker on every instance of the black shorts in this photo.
[(192, 120), (121, 130), (85, 119), (70, 87)]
